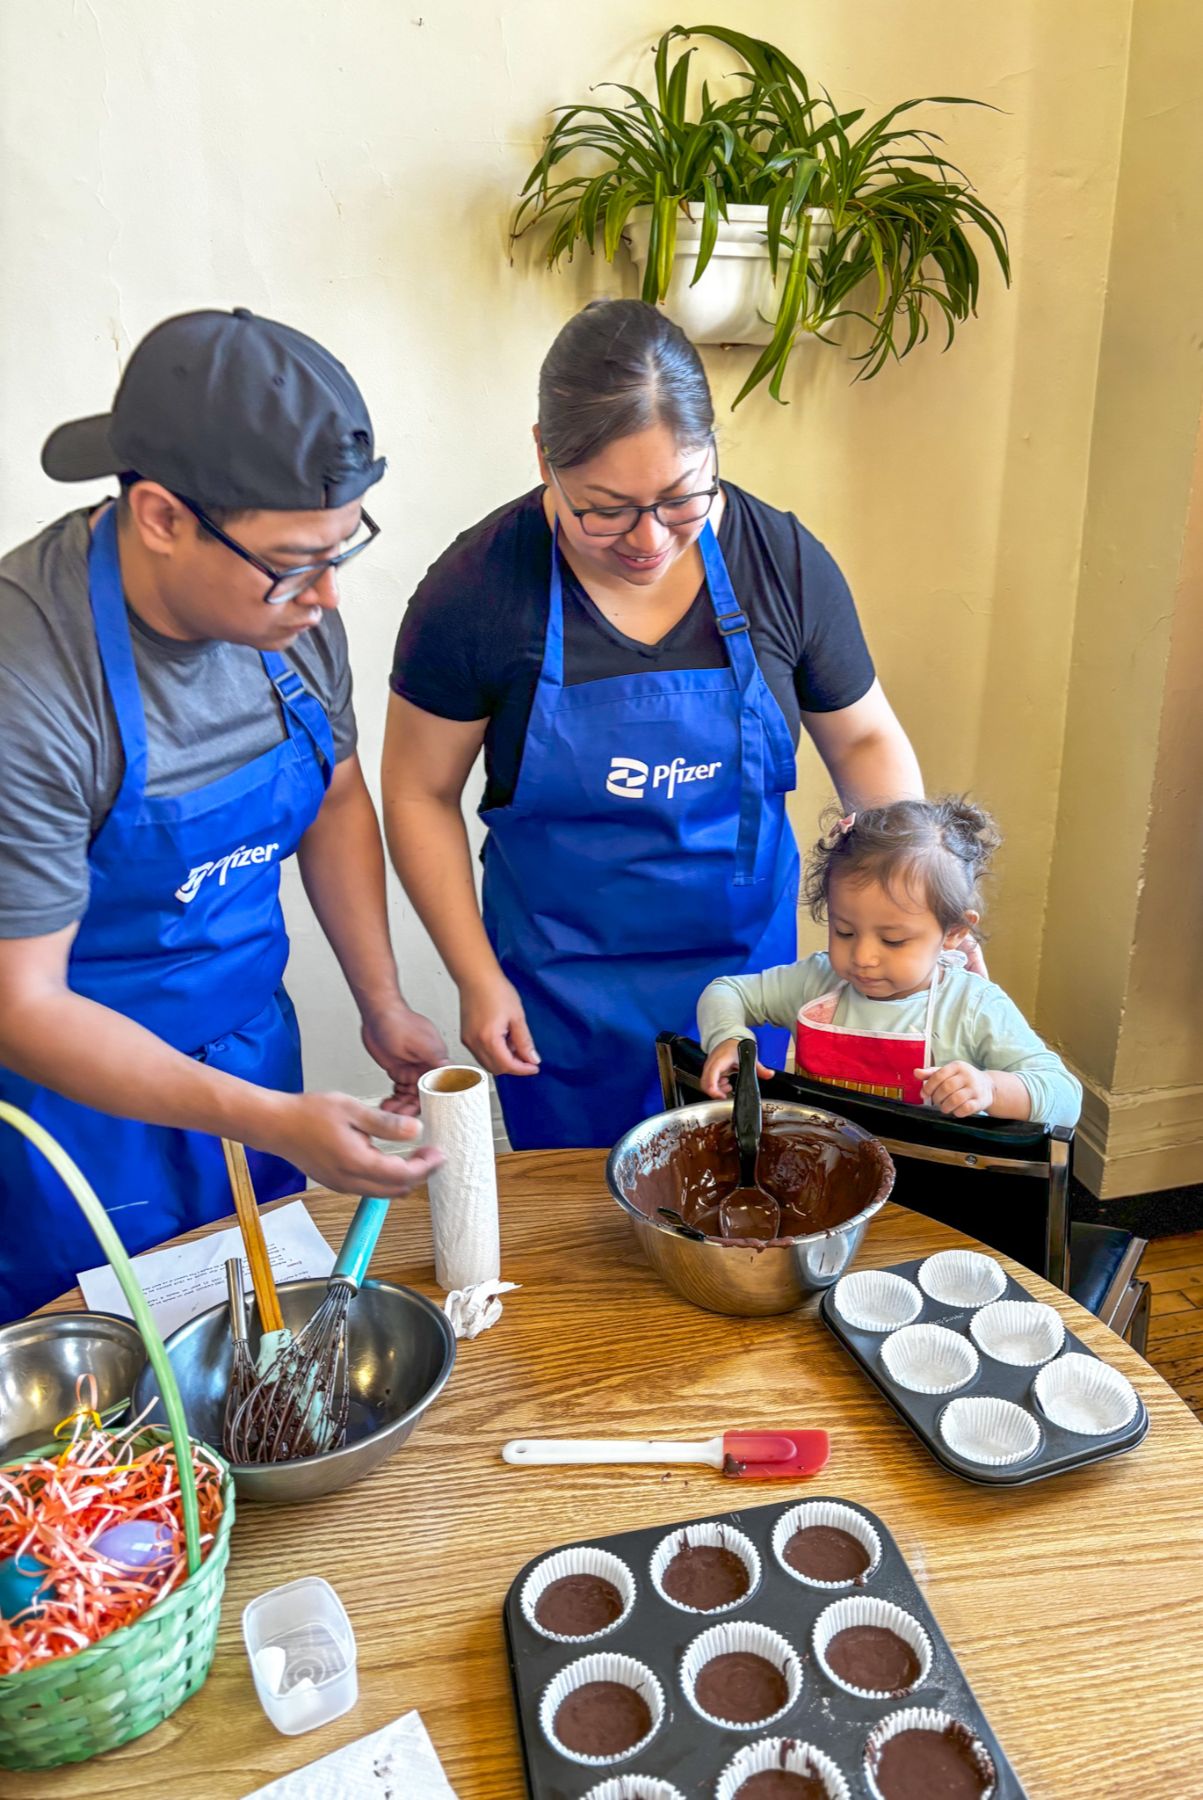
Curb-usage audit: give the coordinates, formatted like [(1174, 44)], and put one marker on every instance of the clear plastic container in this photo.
[(302, 1653)]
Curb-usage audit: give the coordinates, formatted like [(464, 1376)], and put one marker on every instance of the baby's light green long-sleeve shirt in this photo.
[(973, 1021)]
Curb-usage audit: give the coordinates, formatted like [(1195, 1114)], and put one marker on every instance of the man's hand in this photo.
[(493, 1026), (329, 1136), (406, 1045), (718, 1077), (958, 1089)]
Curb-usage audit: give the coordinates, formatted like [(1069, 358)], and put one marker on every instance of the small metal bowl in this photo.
[(749, 1280), (41, 1359), (401, 1350)]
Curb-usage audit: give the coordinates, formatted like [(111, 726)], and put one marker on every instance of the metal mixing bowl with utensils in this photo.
[(41, 1360), (401, 1352), (744, 1278)]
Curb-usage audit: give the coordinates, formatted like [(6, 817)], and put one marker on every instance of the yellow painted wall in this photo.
[(1121, 978), (349, 167)]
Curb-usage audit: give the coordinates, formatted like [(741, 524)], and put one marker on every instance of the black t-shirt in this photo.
[(471, 642)]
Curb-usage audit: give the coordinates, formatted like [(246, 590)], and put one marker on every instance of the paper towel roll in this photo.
[(458, 1121)]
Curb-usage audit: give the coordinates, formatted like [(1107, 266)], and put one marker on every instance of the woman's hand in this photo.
[(493, 1026), (406, 1045), (718, 1077), (975, 962)]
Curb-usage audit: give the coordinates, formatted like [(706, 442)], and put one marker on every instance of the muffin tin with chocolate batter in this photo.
[(1015, 1400), (664, 1697)]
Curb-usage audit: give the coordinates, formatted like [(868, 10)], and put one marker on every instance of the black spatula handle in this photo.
[(747, 1112)]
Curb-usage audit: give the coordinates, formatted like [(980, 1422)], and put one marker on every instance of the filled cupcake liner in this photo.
[(984, 1429), (1020, 1332), (741, 1637), (634, 1787), (602, 1666), (961, 1278), (578, 1559), (1084, 1395), (924, 1718), (841, 1518), (929, 1359), (780, 1753), (865, 1609), (875, 1300), (704, 1533)]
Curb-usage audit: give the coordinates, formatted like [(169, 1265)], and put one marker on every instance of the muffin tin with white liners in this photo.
[(992, 1426), (692, 1755)]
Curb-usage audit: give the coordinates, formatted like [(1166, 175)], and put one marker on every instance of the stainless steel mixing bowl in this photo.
[(402, 1350), (742, 1278), (41, 1359)]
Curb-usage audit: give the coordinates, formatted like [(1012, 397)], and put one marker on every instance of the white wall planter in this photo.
[(737, 298)]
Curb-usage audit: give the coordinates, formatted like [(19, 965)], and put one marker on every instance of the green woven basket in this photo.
[(76, 1706)]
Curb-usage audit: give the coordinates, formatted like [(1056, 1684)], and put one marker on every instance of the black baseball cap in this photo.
[(229, 410)]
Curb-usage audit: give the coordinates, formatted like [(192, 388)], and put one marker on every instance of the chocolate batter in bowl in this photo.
[(827, 1175)]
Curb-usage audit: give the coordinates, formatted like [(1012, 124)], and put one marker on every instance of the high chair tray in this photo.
[(1057, 1450)]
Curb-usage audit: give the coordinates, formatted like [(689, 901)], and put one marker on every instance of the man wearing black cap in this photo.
[(177, 719)]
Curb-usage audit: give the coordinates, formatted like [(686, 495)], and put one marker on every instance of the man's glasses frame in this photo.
[(296, 581), (631, 515)]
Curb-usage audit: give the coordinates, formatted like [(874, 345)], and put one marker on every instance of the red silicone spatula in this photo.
[(759, 1455)]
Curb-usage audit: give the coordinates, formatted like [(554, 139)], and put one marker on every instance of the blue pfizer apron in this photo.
[(646, 850), (184, 933)]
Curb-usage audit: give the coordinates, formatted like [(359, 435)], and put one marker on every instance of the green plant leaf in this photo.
[(709, 233)]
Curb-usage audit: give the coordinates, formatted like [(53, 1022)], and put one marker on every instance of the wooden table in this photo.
[(1075, 1606)]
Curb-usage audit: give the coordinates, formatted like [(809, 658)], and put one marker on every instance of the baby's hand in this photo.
[(958, 1088), (718, 1076)]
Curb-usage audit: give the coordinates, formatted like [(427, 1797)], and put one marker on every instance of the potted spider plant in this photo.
[(767, 216)]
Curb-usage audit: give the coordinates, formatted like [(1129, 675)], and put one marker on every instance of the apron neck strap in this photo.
[(107, 597)]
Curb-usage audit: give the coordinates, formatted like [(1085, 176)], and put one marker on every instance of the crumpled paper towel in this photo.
[(473, 1309), (396, 1763)]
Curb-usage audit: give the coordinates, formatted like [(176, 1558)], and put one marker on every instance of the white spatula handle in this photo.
[(611, 1450)]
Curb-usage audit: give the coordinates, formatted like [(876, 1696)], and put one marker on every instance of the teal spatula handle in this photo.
[(361, 1239)]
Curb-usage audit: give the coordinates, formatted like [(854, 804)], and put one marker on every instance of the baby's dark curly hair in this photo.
[(940, 848)]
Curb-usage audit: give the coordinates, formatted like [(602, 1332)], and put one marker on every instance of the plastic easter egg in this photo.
[(136, 1544), (21, 1589)]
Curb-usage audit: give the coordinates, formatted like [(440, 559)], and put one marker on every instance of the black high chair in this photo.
[(960, 1171)]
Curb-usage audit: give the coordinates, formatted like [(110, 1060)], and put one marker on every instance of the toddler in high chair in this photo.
[(890, 1008)]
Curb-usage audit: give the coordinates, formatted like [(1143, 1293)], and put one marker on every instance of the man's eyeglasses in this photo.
[(617, 521), (286, 584)]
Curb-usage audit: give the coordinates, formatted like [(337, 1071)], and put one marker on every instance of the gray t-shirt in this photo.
[(210, 707)]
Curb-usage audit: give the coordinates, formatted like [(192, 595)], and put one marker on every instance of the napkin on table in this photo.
[(397, 1762)]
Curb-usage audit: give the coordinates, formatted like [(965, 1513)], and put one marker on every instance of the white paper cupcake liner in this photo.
[(603, 1666), (864, 1609), (1081, 1394), (924, 1718), (704, 1533), (840, 1518), (1020, 1332), (780, 1753), (984, 1429), (876, 1300), (961, 1278), (579, 1559), (929, 1359), (634, 1787), (740, 1637)]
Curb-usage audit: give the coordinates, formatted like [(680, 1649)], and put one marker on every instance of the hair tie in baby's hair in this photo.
[(845, 825), (839, 831)]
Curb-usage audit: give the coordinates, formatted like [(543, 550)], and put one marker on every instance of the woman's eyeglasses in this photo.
[(617, 521)]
